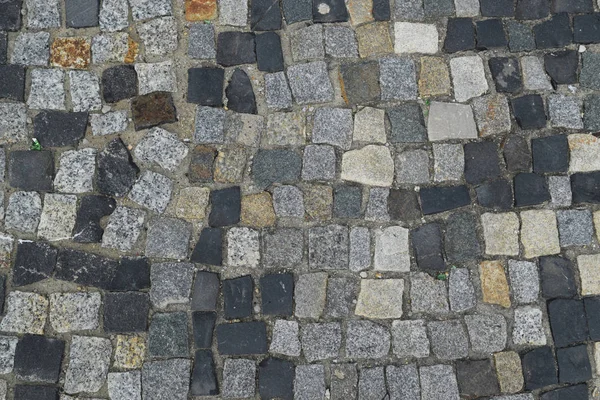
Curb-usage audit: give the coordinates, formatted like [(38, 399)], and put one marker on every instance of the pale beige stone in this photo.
[(374, 39), (380, 298), (369, 126), (129, 352), (501, 233), (597, 224), (468, 77), (192, 202), (360, 11), (416, 38), (494, 284), (589, 272), (392, 249), (585, 153), (597, 357), (539, 233), (58, 216), (509, 371), (372, 165)]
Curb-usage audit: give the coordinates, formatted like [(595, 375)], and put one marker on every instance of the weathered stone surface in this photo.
[(539, 233), (509, 371), (501, 233), (409, 339), (494, 284), (450, 121), (415, 38), (392, 249), (371, 165), (380, 298)]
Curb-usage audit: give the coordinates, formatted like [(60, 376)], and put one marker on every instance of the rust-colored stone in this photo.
[(153, 109), (200, 10), (132, 51), (70, 53), (201, 164), (494, 284)]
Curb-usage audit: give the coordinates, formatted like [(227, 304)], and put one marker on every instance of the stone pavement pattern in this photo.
[(298, 199)]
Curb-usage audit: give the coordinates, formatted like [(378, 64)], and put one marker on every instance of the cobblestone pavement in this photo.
[(290, 199)]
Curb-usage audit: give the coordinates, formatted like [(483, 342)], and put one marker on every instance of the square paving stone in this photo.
[(321, 340), (451, 121), (438, 382), (123, 228), (159, 35), (265, 15), (575, 227), (506, 73), (577, 392), (152, 190), (310, 295), (481, 162), (269, 55), (153, 109), (126, 312), (283, 247), (310, 82), (344, 381), (347, 202), (517, 154), (276, 378), (89, 359), (285, 338), (168, 336), (206, 290), (74, 311), (534, 76), (205, 86), (133, 273), (341, 297), (242, 338), (360, 82), (201, 44), (490, 34), (565, 112), (277, 294), (10, 17), (529, 111), (539, 368), (307, 43), (461, 241), (23, 211), (203, 324), (497, 8), (567, 321), (59, 128), (297, 10), (530, 189), (398, 78), (427, 245), (119, 83), (328, 247), (468, 77), (487, 332), (366, 339), (550, 154), (34, 262), (557, 277), (333, 126), (239, 378), (562, 66), (38, 359), (585, 187), (12, 82), (237, 297), (553, 33), (235, 48), (520, 37), (82, 14), (524, 281), (496, 194), (439, 199), (319, 162), (31, 170), (585, 28), (277, 165), (371, 384), (168, 238), (589, 71), (409, 338), (309, 382), (38, 392), (448, 339), (340, 42), (407, 124), (31, 49), (226, 206), (171, 283), (240, 95), (476, 378), (532, 9), (573, 364), (168, 379)]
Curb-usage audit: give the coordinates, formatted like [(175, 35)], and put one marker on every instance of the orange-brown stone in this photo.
[(494, 284), (257, 210), (70, 53), (200, 10), (132, 51)]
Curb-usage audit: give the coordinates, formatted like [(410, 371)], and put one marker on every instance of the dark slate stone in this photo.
[(59, 128), (539, 368), (276, 166), (297, 10), (347, 202), (550, 154), (530, 189), (206, 290), (85, 268), (506, 73), (226, 206), (119, 83), (567, 321), (10, 15), (556, 32), (381, 10), (91, 210), (439, 199), (153, 109), (12, 79), (460, 35), (476, 378), (591, 116), (592, 311), (277, 293), (126, 312), (529, 111), (82, 13), (265, 15), (461, 242), (235, 48), (203, 324), (585, 187), (573, 364), (201, 163), (34, 261), (532, 9), (497, 8), (269, 55), (337, 11), (276, 379), (237, 297), (37, 392), (407, 124), (427, 244), (496, 194), (2, 293), (572, 6), (577, 392), (240, 95), (204, 378), (586, 28), (562, 66), (403, 205), (361, 82), (38, 358), (115, 170), (3, 47), (490, 34), (481, 162), (205, 86), (520, 37), (133, 273), (168, 336), (208, 250), (517, 155), (557, 278), (31, 170), (438, 8), (242, 338)]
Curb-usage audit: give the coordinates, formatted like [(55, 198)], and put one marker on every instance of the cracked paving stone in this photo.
[(34, 261), (116, 173)]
